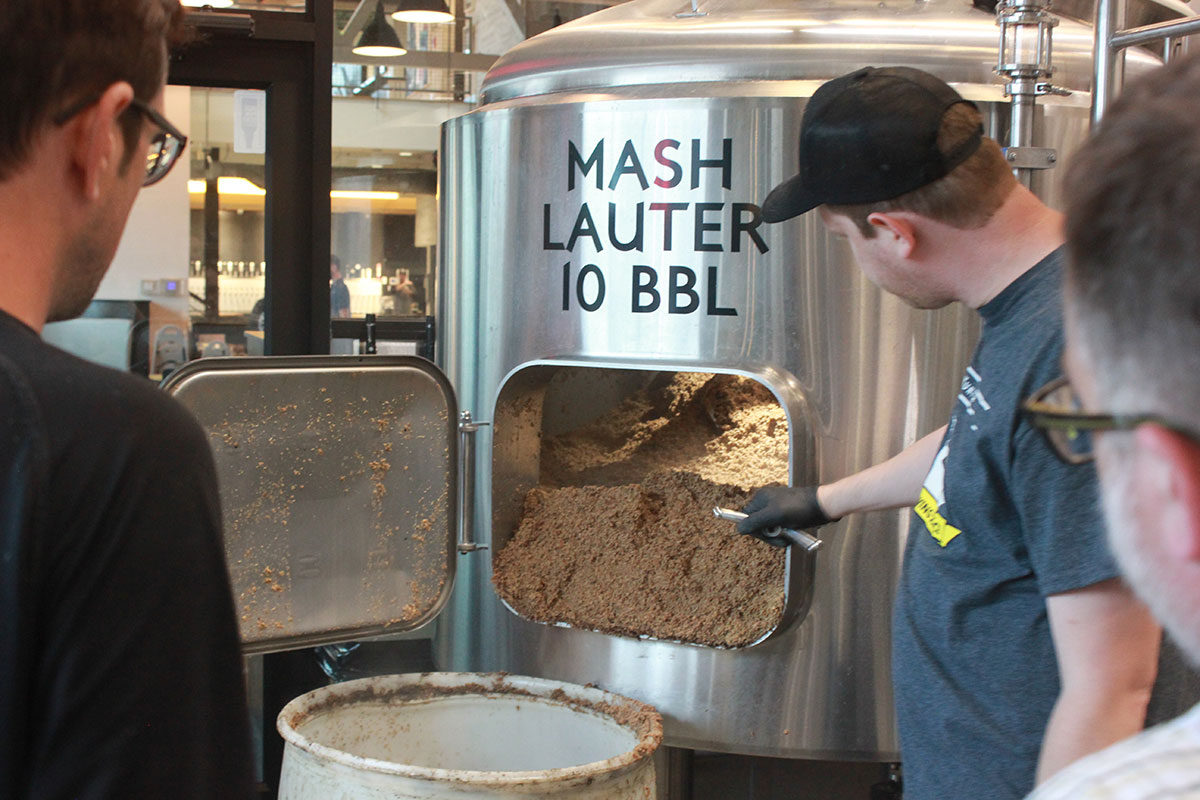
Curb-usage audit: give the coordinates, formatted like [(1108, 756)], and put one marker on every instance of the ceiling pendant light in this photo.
[(378, 38), (423, 11)]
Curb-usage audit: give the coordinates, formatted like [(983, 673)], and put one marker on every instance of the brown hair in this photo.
[(57, 52), (967, 197)]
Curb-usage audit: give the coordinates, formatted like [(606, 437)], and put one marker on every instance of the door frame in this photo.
[(290, 57)]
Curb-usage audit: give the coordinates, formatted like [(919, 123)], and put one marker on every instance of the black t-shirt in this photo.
[(120, 671)]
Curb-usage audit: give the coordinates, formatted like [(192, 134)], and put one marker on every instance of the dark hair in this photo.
[(1133, 241), (57, 52), (335, 262), (967, 197)]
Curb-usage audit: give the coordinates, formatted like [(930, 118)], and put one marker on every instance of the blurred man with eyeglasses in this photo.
[(1132, 303), (120, 671)]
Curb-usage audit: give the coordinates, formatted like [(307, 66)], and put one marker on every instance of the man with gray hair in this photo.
[(1132, 303)]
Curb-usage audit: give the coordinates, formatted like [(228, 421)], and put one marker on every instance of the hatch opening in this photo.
[(604, 483)]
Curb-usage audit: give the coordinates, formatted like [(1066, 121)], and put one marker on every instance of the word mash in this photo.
[(667, 227)]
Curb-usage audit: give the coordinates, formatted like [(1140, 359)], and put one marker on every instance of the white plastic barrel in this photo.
[(458, 735)]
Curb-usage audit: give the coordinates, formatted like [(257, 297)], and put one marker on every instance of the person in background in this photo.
[(1132, 304), (339, 295), (405, 289), (120, 668), (1016, 648)]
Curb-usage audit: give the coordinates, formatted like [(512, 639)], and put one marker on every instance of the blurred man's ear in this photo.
[(1176, 484)]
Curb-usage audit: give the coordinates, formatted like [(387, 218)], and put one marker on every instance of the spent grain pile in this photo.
[(620, 537)]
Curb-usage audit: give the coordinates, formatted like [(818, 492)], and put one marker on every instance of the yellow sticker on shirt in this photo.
[(927, 509)]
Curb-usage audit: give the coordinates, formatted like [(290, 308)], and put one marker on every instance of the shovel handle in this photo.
[(800, 538)]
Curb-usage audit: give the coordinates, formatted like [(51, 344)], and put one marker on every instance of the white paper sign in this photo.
[(249, 121)]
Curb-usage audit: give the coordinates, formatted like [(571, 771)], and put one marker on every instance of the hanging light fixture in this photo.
[(378, 38), (423, 11)]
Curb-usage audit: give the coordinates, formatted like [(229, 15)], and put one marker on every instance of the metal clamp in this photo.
[(466, 469), (804, 540), (1031, 157), (1034, 88)]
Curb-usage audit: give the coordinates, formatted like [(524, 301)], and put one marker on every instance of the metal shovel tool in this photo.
[(799, 538)]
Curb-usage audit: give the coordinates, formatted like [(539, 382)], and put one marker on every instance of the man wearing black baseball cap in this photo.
[(1016, 648)]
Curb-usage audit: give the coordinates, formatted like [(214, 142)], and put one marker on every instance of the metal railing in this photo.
[(1111, 41)]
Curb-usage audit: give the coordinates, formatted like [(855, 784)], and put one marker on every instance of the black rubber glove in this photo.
[(782, 507)]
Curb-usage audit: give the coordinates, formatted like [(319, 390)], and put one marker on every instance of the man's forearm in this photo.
[(1107, 644), (1080, 726), (894, 483)]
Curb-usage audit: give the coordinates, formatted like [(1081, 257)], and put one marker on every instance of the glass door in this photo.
[(227, 263), (258, 198)]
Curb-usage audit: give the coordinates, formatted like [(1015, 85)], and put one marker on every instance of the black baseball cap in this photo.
[(869, 136)]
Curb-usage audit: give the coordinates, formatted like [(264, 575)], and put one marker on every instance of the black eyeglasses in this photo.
[(1055, 410), (165, 145)]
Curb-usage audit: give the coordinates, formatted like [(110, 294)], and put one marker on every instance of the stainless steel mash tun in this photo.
[(599, 234), (798, 538), (635, 246)]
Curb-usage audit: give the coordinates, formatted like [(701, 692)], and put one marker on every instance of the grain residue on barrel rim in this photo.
[(632, 714), (619, 537)]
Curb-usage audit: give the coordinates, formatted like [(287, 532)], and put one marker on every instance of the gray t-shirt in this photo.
[(1002, 523)]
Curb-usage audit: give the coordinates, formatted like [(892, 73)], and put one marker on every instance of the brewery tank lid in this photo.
[(641, 47)]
